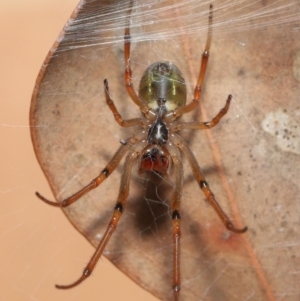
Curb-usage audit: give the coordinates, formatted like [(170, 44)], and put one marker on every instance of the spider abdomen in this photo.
[(163, 81)]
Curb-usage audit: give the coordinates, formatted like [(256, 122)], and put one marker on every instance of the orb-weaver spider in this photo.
[(161, 99)]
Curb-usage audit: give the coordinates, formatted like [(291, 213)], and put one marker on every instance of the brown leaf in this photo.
[(250, 159)]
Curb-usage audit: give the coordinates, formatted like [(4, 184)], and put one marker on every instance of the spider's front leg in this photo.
[(110, 167), (117, 213), (204, 186), (176, 218)]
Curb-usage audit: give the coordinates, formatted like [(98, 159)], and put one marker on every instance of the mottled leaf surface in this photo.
[(251, 159)]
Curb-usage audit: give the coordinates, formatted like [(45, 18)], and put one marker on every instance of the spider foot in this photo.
[(232, 228), (86, 273), (55, 204)]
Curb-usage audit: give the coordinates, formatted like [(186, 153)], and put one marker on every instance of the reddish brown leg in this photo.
[(176, 223), (128, 73), (118, 210), (110, 167), (204, 185), (198, 89), (117, 115), (204, 125)]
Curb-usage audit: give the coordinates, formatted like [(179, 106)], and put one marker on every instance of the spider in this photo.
[(161, 99)]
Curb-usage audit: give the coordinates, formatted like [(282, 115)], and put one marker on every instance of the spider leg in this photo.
[(117, 213), (117, 115), (150, 114), (176, 223), (198, 89), (204, 125), (204, 185), (110, 167)]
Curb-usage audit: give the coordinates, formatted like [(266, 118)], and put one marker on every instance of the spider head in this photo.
[(154, 159), (163, 81)]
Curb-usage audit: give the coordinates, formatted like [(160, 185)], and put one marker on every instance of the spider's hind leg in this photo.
[(128, 72), (198, 89), (117, 115)]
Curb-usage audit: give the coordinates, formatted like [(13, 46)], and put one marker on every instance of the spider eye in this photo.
[(163, 80)]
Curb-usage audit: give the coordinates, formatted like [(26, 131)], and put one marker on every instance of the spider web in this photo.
[(254, 56), (212, 259)]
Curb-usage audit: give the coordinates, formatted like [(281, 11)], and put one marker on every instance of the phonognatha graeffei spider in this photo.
[(161, 99)]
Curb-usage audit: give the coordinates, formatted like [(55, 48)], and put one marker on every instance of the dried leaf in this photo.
[(251, 159)]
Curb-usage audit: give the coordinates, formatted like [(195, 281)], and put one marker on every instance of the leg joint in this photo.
[(176, 288), (119, 207), (203, 184), (105, 171), (175, 215), (86, 272)]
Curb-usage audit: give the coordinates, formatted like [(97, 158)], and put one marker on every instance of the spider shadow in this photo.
[(152, 204)]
